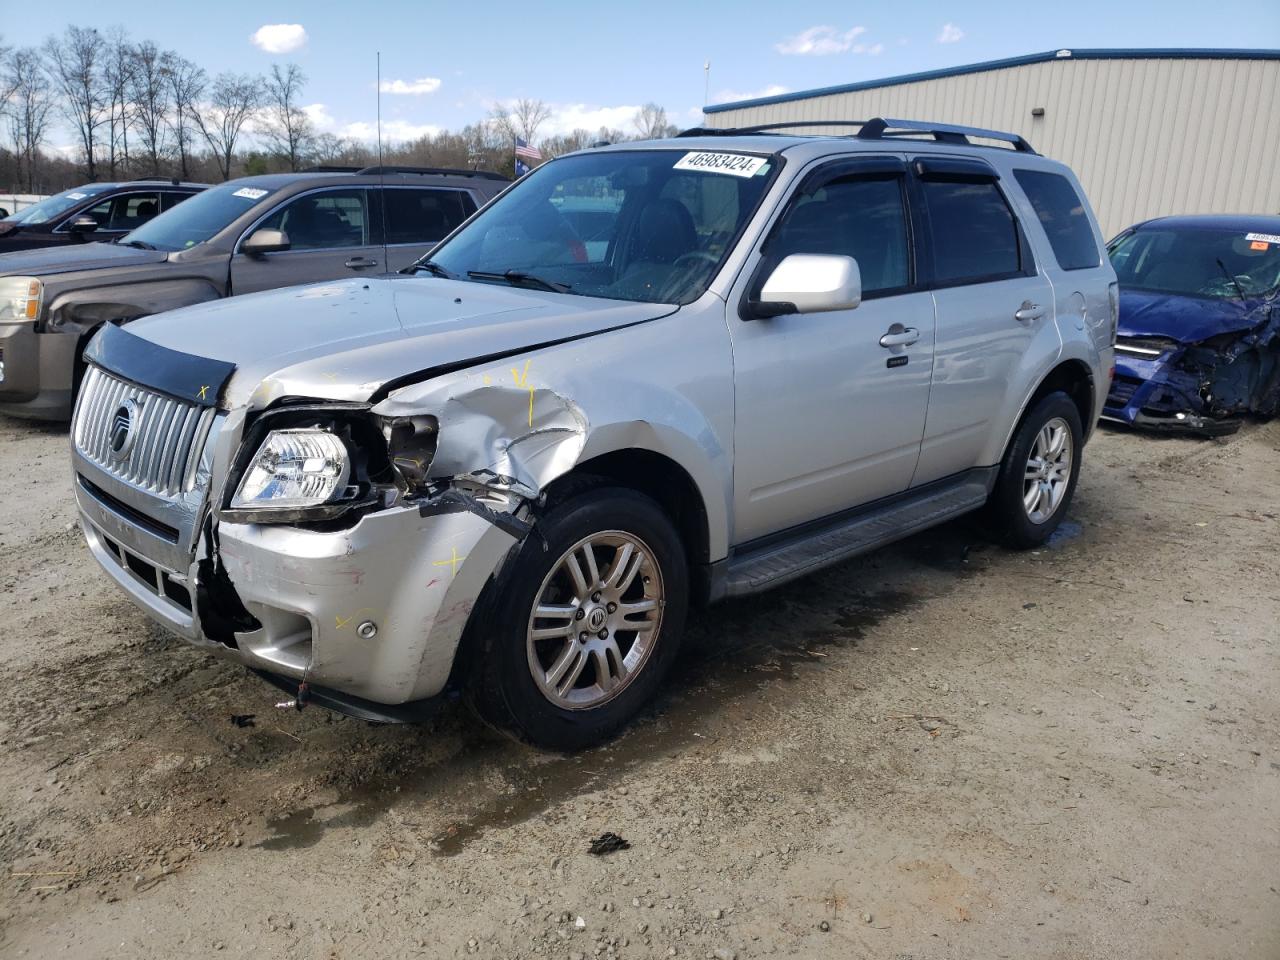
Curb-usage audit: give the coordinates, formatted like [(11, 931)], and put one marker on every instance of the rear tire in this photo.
[(579, 628), (1038, 474)]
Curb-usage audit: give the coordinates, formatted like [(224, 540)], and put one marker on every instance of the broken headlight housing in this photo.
[(293, 470), (20, 299)]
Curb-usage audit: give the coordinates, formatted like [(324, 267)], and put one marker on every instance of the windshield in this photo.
[(196, 220), (50, 208), (645, 225), (1197, 262)]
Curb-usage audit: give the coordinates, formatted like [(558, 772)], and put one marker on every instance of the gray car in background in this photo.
[(252, 234), (648, 376)]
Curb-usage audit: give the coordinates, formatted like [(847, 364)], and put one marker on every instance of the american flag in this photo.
[(527, 151)]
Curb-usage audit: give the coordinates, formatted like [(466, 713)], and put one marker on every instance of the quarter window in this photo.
[(975, 235), (318, 221), (860, 218), (423, 216), (1062, 214)]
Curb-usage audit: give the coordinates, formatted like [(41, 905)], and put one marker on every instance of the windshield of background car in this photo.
[(196, 220), (1186, 262), (50, 208), (644, 225)]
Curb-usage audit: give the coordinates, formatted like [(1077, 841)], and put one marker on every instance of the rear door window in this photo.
[(1062, 214), (422, 216), (323, 220), (975, 235)]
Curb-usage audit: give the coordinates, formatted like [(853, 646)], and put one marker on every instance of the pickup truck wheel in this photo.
[(584, 621), (1038, 475)]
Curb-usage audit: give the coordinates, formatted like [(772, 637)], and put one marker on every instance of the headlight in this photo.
[(294, 469), (20, 299)]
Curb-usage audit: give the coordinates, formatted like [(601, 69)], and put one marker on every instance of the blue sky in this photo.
[(446, 64)]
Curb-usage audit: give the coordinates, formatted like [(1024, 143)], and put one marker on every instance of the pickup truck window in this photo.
[(643, 225)]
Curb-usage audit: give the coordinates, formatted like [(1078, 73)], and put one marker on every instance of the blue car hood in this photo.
[(1185, 319)]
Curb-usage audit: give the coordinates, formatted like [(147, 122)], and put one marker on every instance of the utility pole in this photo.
[(706, 82)]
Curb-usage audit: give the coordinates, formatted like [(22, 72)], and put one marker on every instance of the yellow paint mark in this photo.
[(341, 622), (452, 562), (204, 392), (487, 379), (522, 380), (331, 376)]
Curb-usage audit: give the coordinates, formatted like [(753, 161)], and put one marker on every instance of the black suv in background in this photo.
[(256, 233), (96, 211)]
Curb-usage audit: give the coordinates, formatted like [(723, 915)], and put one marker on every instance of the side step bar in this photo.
[(775, 563)]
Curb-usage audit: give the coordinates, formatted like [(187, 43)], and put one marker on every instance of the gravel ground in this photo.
[(943, 750)]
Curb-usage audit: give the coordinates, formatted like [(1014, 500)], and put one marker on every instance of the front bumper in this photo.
[(1155, 394), (36, 372), (375, 611)]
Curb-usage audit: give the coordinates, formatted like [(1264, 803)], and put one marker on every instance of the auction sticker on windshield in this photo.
[(1263, 237), (250, 193), (736, 164)]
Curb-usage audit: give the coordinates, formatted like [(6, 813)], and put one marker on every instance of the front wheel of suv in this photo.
[(1038, 475), (583, 623)]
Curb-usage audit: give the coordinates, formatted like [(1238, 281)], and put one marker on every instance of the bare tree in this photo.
[(117, 74), (186, 84), (287, 130), (561, 144), (521, 119), (76, 70), (29, 107), (233, 98), (651, 123), (149, 99)]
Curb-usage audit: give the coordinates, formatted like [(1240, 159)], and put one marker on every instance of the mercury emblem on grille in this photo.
[(120, 435)]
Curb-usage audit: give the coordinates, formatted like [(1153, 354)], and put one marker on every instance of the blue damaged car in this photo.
[(1198, 341)]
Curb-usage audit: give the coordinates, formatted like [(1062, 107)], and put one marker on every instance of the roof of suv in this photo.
[(401, 176)]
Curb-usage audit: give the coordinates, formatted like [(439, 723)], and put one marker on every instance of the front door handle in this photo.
[(900, 337), (361, 263), (1028, 311)]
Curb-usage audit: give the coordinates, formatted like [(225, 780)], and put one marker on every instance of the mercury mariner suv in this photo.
[(646, 376)]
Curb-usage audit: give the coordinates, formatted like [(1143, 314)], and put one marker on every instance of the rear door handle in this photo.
[(900, 338), (1028, 311), (361, 263)]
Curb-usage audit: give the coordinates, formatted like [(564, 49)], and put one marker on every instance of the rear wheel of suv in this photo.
[(1038, 475), (583, 623)]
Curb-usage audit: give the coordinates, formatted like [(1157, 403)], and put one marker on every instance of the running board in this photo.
[(773, 564)]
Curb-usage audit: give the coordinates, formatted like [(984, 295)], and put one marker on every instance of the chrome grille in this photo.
[(168, 436)]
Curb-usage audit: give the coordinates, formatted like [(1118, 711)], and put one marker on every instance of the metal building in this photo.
[(1148, 132)]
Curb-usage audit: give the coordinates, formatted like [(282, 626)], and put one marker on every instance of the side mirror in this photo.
[(83, 224), (810, 283), (265, 241)]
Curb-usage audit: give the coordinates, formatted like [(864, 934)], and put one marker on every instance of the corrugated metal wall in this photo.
[(1146, 137)]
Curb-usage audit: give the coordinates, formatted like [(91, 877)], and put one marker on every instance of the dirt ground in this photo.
[(944, 750)]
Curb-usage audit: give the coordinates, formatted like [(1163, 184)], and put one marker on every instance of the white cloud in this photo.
[(732, 96), (950, 33), (279, 37), (411, 87), (568, 117), (823, 41), (393, 131)]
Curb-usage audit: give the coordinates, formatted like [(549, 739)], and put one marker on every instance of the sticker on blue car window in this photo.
[(251, 193), (735, 164), (1263, 237), (76, 196)]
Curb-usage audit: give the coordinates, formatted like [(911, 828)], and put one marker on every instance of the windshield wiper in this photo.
[(431, 267), (1232, 277), (136, 244), (519, 278)]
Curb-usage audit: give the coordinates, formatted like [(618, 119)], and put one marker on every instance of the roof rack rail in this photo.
[(877, 128), (331, 168), (435, 171), (173, 180)]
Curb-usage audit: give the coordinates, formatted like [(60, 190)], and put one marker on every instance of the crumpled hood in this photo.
[(346, 339), (1185, 319), (88, 256)]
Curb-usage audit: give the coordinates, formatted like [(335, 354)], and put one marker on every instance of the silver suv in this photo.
[(645, 377)]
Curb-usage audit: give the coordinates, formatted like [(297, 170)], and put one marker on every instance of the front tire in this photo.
[(582, 624), (1038, 474)]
